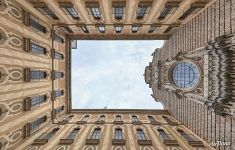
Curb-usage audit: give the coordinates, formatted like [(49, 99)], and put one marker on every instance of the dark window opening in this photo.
[(37, 74)]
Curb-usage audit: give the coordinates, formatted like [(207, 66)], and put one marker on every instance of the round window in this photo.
[(186, 74)]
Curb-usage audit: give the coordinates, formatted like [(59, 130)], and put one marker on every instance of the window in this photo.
[(118, 29), (96, 134), (186, 136), (95, 11), (58, 74), (186, 75), (118, 12), (135, 28), (33, 22), (118, 118), (152, 29), (84, 29), (140, 134), (118, 134), (101, 29), (48, 135), (164, 135), (164, 13), (74, 133), (58, 55), (135, 119), (72, 12), (151, 119), (58, 93), (66, 29), (35, 125), (37, 100), (169, 8), (43, 9), (37, 74), (85, 118), (58, 110), (101, 118), (37, 49), (141, 12), (57, 38), (68, 118)]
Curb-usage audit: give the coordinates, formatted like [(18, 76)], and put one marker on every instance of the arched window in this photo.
[(186, 74), (118, 118), (151, 119), (140, 134), (135, 118), (74, 133), (68, 118), (85, 118), (185, 136), (101, 118), (118, 134), (96, 134), (163, 134)]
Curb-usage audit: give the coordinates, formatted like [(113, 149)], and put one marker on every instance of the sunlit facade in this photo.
[(36, 37)]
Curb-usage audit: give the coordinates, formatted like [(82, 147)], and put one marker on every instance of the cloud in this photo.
[(110, 73)]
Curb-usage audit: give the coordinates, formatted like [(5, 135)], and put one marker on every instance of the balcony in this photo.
[(143, 139), (136, 122), (169, 140), (99, 122), (155, 123), (118, 122), (81, 122), (118, 139), (91, 141), (43, 139)]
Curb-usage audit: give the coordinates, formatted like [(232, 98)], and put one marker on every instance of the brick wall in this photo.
[(216, 20)]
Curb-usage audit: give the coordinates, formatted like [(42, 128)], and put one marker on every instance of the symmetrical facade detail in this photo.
[(192, 74)]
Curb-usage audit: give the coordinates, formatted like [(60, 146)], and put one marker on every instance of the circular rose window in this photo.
[(186, 74)]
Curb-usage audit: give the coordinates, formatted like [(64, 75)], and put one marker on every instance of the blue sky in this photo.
[(110, 73)]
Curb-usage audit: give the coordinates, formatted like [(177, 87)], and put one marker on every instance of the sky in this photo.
[(110, 74)]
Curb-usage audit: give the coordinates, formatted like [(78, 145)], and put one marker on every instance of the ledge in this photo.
[(66, 141), (40, 141), (136, 122), (145, 142), (196, 143), (92, 141), (171, 142), (118, 122), (99, 122), (118, 141)]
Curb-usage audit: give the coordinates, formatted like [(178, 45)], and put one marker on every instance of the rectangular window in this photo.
[(58, 74), (118, 134), (57, 38), (37, 74), (37, 49), (118, 12), (140, 134), (141, 12), (152, 29), (58, 110), (84, 29), (33, 22), (66, 29), (101, 29), (95, 11), (72, 12), (96, 134), (164, 135), (169, 8), (36, 124), (44, 9), (118, 29), (37, 100), (48, 135), (135, 28), (58, 93), (58, 55)]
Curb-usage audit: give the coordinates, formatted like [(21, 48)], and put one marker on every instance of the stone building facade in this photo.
[(35, 95), (206, 45)]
